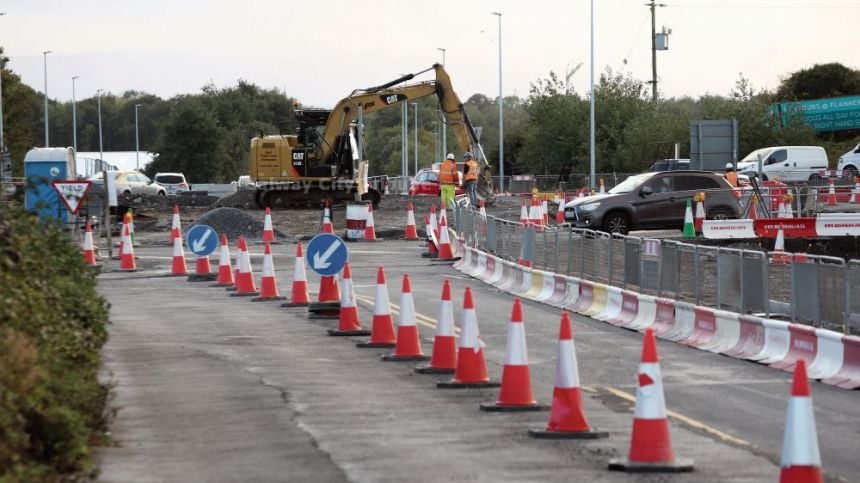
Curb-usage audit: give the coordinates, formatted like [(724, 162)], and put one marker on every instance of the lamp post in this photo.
[(136, 138), (47, 136), (501, 114), (1, 103), (74, 117), (415, 108), (444, 119), (101, 148), (591, 114)]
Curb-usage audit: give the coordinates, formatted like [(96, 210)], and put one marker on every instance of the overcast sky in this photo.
[(320, 50)]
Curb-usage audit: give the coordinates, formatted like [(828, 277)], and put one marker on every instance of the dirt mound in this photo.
[(240, 199), (235, 223)]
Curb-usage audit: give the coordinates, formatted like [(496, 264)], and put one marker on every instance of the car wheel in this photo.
[(850, 172), (616, 222), (720, 214), (162, 193)]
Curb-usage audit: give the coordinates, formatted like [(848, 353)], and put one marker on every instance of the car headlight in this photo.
[(589, 206)]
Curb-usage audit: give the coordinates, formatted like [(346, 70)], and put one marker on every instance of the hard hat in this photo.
[(467, 155), (450, 156), (730, 166)]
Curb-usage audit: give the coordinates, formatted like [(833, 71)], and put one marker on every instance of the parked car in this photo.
[(670, 165), (132, 182), (172, 182), (789, 163), (850, 162), (426, 182), (653, 201)]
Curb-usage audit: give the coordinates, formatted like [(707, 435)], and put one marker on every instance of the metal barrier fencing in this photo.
[(815, 290)]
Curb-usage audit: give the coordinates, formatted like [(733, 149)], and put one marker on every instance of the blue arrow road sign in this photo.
[(326, 254), (202, 240)]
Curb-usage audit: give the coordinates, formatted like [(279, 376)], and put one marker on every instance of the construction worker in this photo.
[(731, 176), (470, 178), (449, 178)]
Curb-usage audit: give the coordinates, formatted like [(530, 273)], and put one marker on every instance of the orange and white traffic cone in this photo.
[(179, 268), (126, 254), (268, 283), (432, 249), (516, 391), (268, 231), (327, 305), (482, 210), (700, 212), (855, 193), (443, 214), (444, 357), (369, 229), (299, 292), (202, 266), (780, 257), (434, 222), (602, 187), (801, 461), (559, 215), (239, 255), (535, 215), (382, 330), (225, 268), (471, 370), (650, 445), (245, 285), (544, 206), (567, 419), (88, 248), (411, 230), (175, 225), (753, 212), (408, 346), (348, 321), (524, 214), (446, 253), (327, 226), (831, 194)]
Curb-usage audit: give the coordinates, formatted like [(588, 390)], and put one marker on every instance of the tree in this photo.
[(190, 141), (820, 81), (21, 116)]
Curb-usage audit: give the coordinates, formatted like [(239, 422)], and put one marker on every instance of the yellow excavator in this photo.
[(323, 159)]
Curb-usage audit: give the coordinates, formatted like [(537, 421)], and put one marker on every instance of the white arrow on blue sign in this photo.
[(327, 254), (202, 240)]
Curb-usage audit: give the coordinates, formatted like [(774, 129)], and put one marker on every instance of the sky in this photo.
[(319, 51)]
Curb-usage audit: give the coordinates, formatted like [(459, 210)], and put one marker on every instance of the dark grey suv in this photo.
[(653, 201)]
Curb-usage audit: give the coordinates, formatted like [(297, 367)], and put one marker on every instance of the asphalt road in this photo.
[(216, 388)]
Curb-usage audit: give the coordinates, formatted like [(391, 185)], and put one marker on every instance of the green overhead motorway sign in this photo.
[(832, 114)]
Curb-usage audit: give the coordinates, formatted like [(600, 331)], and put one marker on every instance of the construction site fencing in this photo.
[(820, 291)]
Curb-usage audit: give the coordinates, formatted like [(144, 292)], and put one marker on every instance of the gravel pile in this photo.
[(235, 223), (239, 199)]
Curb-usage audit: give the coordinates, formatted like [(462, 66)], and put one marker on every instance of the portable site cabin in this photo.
[(41, 167)]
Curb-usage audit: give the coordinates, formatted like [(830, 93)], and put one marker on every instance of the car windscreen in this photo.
[(169, 179), (630, 184)]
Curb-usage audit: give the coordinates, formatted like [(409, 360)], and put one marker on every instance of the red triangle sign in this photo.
[(71, 192)]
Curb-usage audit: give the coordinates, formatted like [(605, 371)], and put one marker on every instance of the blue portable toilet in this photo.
[(41, 167)]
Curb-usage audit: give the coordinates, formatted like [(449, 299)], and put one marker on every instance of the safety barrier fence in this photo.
[(832, 357), (814, 290)]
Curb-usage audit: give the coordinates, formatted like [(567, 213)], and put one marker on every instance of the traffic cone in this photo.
[(268, 283), (202, 266), (225, 268), (348, 322), (445, 250), (443, 214), (327, 226), (299, 293), (700, 212), (88, 248), (535, 215), (175, 226), (855, 198), (831, 194), (650, 445), (689, 229), (411, 231), (567, 419), (545, 211), (780, 257), (432, 249), (444, 357), (179, 268), (471, 370), (434, 223), (408, 346), (369, 229), (801, 461), (516, 391), (524, 215), (789, 211), (126, 251), (130, 216), (268, 231), (559, 215), (753, 212), (239, 256), (482, 210), (382, 331), (245, 285)]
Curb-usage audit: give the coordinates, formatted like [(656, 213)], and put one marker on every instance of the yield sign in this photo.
[(71, 192)]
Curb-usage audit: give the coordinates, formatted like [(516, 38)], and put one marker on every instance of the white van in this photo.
[(789, 163), (850, 161)]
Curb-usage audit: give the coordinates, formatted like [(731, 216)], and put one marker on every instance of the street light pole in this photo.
[(101, 148), (501, 114), (444, 118), (74, 118), (1, 102), (591, 113), (136, 138), (415, 107), (47, 136)]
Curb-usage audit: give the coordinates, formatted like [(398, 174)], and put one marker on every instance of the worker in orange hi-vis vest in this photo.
[(731, 176), (470, 178), (449, 179)]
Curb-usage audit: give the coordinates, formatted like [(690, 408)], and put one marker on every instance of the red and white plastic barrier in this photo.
[(830, 224)]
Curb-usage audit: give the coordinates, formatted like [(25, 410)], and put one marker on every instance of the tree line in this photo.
[(206, 135)]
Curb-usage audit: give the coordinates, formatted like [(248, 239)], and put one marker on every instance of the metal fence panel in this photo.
[(730, 276), (669, 271), (831, 294), (632, 261), (754, 271), (804, 291)]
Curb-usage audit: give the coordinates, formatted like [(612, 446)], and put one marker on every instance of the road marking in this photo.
[(420, 318), (684, 419)]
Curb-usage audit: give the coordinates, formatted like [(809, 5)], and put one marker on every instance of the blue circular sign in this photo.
[(326, 254), (202, 240)]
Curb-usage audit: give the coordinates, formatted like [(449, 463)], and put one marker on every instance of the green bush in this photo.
[(52, 328)]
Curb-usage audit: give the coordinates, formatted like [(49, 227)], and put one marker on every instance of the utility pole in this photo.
[(415, 107), (653, 6), (501, 113), (444, 117), (47, 135), (74, 118)]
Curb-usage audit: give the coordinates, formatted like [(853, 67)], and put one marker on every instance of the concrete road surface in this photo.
[(210, 387)]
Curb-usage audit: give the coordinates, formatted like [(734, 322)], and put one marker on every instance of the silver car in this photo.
[(132, 183), (172, 182)]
